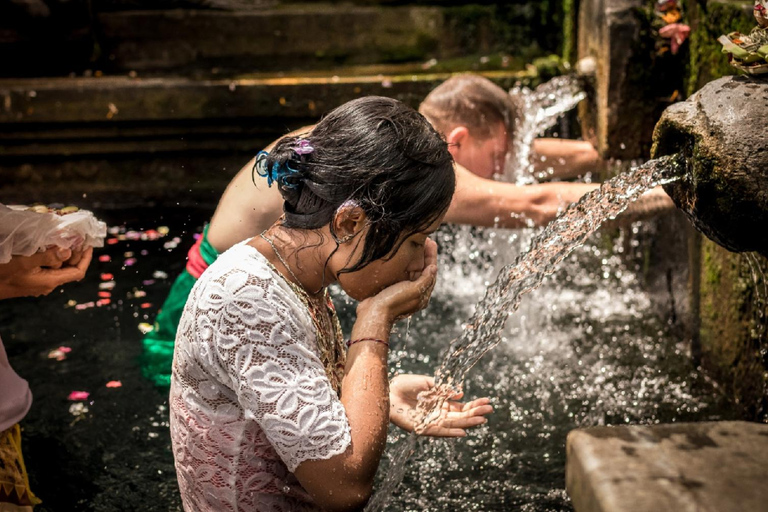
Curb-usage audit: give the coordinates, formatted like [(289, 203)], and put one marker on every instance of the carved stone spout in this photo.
[(723, 132)]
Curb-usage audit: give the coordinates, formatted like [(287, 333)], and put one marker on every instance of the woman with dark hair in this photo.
[(268, 410)]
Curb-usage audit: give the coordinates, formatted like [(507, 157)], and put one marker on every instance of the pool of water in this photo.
[(595, 345)]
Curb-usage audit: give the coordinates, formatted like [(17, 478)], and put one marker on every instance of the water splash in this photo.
[(539, 110), (483, 331), (760, 310)]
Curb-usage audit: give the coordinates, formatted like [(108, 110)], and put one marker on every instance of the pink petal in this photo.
[(78, 395)]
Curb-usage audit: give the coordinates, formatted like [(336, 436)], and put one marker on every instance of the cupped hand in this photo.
[(455, 417), (41, 273), (409, 296)]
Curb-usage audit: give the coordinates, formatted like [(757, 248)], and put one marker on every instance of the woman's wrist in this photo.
[(376, 315)]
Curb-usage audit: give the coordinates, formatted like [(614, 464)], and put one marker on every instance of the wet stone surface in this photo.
[(111, 451), (695, 466)]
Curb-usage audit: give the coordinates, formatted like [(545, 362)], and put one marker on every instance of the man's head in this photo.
[(477, 118)]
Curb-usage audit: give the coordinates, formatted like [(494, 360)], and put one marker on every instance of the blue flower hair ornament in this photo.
[(276, 173)]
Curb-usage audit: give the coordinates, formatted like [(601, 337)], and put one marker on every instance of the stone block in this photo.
[(721, 131), (701, 467), (733, 336), (165, 137)]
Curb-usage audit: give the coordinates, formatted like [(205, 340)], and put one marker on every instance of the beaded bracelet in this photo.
[(352, 342)]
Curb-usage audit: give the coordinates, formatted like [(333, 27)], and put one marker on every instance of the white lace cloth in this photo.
[(250, 399)]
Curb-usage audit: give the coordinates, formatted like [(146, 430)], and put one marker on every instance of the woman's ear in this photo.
[(349, 220)]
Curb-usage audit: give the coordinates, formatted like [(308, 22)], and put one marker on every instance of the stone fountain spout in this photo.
[(723, 132)]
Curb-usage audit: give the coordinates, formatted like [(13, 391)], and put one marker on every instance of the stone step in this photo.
[(123, 115), (707, 467), (292, 37), (288, 36)]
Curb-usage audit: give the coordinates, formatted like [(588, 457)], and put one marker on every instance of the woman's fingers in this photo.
[(47, 279), (445, 432), (478, 402), (477, 410), (85, 260), (75, 258), (454, 427), (457, 417), (53, 257), (430, 252)]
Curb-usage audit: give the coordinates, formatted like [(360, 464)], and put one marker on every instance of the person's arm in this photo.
[(489, 203), (246, 209), (566, 158), (345, 481), (41, 273)]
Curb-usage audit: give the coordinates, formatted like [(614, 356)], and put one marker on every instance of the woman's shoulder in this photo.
[(241, 270), (243, 257)]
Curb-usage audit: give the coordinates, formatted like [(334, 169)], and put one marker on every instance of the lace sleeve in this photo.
[(265, 341)]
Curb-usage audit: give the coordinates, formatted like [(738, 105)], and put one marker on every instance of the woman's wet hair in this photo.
[(472, 101), (376, 152)]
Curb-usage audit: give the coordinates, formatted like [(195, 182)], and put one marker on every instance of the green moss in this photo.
[(711, 268), (525, 30), (713, 19), (733, 337)]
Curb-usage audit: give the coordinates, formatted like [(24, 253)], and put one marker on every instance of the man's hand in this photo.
[(41, 273), (454, 418)]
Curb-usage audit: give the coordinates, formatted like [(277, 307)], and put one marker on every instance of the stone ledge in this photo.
[(82, 116), (88, 99), (707, 467), (291, 36)]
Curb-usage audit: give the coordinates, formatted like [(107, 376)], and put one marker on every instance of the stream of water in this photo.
[(484, 330), (539, 110)]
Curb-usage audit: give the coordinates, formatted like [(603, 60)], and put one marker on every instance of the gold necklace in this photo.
[(280, 258), (330, 342)]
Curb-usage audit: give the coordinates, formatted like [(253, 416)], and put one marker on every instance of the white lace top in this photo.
[(250, 399)]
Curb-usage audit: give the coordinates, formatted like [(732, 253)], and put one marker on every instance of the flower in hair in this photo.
[(303, 147)]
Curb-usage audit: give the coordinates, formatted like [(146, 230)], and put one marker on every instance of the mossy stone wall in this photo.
[(635, 81), (732, 289), (733, 339)]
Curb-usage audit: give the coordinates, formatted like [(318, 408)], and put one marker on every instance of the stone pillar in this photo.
[(632, 83)]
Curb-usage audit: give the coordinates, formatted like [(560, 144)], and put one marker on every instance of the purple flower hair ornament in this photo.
[(303, 147)]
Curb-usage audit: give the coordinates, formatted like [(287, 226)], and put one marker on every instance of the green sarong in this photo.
[(157, 358)]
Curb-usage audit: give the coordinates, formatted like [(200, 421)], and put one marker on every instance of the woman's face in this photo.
[(406, 263)]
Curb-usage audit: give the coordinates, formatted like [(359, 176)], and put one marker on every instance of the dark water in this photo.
[(587, 348), (117, 455)]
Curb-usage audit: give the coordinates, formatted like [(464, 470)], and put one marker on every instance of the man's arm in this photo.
[(483, 202), (565, 157)]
